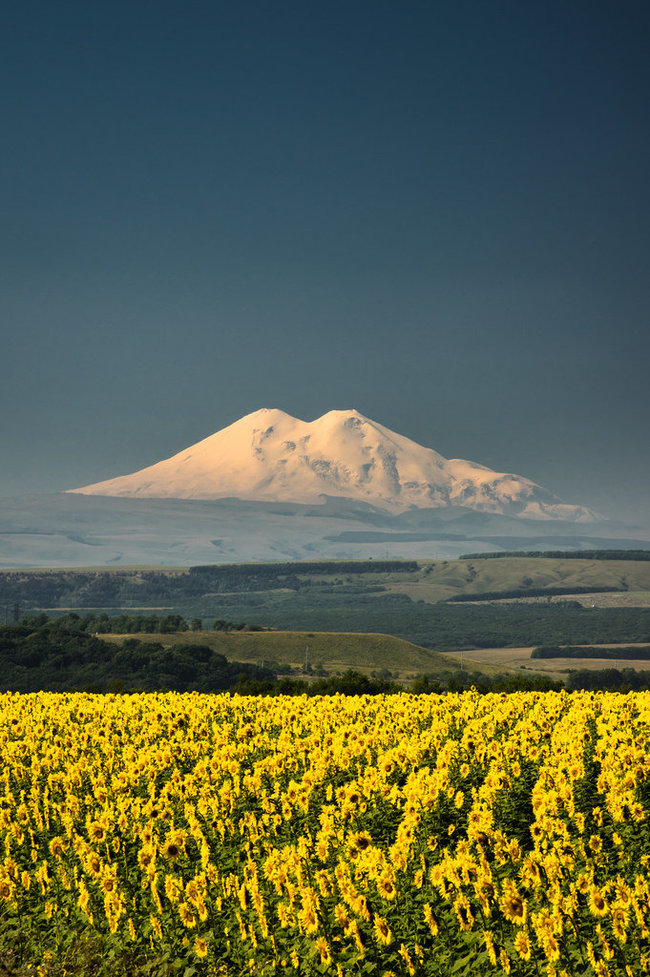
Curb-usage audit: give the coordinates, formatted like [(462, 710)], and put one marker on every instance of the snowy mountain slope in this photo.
[(270, 456)]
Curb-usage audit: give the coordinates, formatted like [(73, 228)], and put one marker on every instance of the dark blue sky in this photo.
[(437, 213)]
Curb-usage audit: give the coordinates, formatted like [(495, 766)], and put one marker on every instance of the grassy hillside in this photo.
[(444, 579), (334, 651)]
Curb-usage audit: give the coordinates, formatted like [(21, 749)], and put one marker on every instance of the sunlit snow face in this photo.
[(270, 456)]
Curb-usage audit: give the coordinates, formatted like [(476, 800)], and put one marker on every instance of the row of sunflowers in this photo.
[(393, 835)]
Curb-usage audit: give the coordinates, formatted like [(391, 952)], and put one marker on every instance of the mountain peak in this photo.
[(269, 455), (344, 414), (265, 415)]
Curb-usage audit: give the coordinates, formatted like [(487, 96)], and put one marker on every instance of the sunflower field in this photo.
[(393, 835)]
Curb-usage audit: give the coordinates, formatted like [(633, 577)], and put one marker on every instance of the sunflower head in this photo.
[(57, 847), (597, 902), (359, 842), (324, 951), (522, 945), (386, 887), (187, 915), (96, 831), (382, 930), (464, 913), (619, 924)]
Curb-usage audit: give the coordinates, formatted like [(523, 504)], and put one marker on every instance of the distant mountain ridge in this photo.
[(269, 456)]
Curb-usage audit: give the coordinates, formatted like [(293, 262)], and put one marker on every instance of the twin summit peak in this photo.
[(270, 456)]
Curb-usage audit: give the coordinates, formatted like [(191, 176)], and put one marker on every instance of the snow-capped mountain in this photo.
[(272, 457)]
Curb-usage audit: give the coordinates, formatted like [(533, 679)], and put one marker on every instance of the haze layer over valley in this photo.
[(269, 456)]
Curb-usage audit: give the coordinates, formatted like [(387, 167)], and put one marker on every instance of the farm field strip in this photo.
[(518, 658)]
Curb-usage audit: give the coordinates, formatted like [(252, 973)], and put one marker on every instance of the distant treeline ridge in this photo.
[(122, 588), (234, 570), (563, 554), (622, 653), (133, 623)]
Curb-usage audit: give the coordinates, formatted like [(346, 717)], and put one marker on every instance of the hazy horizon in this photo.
[(435, 214)]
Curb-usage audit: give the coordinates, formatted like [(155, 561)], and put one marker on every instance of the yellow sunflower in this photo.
[(96, 831), (430, 919), (324, 951), (513, 906), (187, 915), (382, 930), (464, 913), (597, 902), (385, 887), (619, 924), (522, 945), (359, 842), (171, 850)]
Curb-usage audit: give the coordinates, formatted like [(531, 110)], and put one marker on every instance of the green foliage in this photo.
[(82, 951), (273, 571), (60, 657), (608, 680), (350, 683), (124, 588), (562, 555), (448, 627), (128, 623), (463, 680), (621, 653)]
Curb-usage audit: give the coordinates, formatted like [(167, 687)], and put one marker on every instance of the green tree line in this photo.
[(621, 653)]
